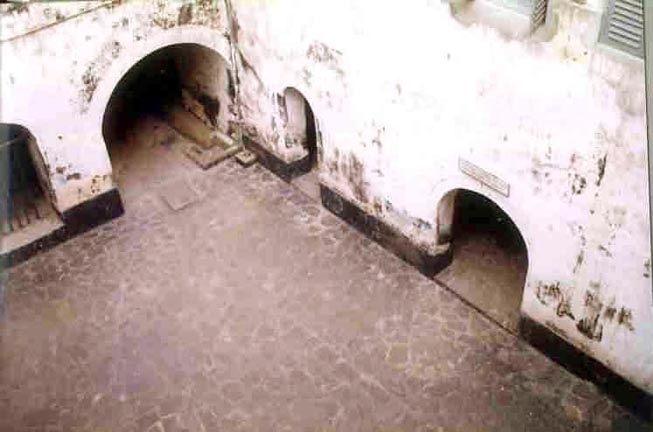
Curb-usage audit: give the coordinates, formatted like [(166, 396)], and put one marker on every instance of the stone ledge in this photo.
[(77, 220), (285, 170), (384, 234), (580, 364)]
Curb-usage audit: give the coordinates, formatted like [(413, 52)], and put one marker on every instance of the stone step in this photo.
[(193, 128)]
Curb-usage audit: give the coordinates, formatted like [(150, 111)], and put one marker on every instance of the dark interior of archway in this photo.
[(489, 258), (21, 195), (476, 215), (311, 134), (309, 181), (148, 88), (144, 121)]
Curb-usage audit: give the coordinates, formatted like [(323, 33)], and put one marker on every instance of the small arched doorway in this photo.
[(490, 258), (170, 110), (301, 135), (26, 206)]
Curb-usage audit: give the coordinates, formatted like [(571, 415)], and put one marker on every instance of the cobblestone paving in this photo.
[(254, 309)]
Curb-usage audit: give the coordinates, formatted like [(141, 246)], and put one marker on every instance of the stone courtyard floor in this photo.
[(239, 304)]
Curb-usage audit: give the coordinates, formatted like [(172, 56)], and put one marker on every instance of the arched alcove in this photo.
[(177, 97), (26, 205), (301, 136), (490, 257)]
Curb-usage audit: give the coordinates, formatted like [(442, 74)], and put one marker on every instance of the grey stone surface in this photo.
[(179, 194), (255, 309)]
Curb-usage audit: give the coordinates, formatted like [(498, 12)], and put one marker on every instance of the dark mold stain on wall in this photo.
[(601, 169), (93, 73), (332, 164), (422, 224), (283, 109), (551, 293), (578, 185), (74, 176), (610, 312), (615, 217), (377, 139), (185, 14), (16, 8), (115, 49), (164, 22), (579, 260), (354, 171), (625, 318), (605, 251), (90, 81), (330, 57), (595, 315), (647, 269), (590, 325), (307, 76), (351, 168)]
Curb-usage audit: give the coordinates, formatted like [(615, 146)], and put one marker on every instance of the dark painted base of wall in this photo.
[(576, 361), (93, 212), (383, 234), (77, 220), (287, 171), (562, 352)]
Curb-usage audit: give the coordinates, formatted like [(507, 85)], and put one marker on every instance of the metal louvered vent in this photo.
[(535, 10), (623, 26), (539, 13)]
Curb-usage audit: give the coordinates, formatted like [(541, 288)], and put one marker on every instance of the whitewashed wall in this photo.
[(402, 92), (58, 75)]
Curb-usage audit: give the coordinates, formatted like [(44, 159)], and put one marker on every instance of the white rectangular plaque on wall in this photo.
[(486, 178)]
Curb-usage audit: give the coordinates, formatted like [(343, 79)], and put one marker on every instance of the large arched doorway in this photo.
[(26, 207), (172, 111), (490, 259), (301, 133)]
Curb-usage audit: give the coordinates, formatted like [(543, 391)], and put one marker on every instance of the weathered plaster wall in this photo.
[(57, 81), (403, 92)]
